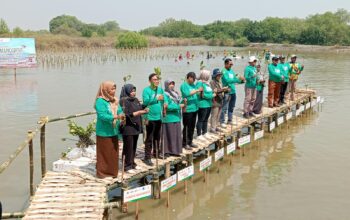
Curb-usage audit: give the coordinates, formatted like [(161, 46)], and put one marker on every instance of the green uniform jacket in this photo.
[(149, 97), (173, 112), (275, 73), (284, 67), (229, 79), (250, 77), (206, 97), (104, 123), (192, 100)]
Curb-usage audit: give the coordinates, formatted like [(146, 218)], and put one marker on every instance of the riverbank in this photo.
[(51, 42)]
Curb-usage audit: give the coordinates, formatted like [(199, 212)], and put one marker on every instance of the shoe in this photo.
[(201, 137), (270, 106), (246, 115), (148, 162), (187, 147), (223, 125), (131, 171), (251, 114), (213, 131), (257, 113), (194, 145), (137, 168), (229, 122)]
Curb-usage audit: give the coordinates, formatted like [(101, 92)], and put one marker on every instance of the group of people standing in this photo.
[(212, 96)]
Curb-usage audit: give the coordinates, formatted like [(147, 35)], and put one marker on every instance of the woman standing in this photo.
[(108, 120), (171, 134), (205, 102), (216, 85), (133, 125)]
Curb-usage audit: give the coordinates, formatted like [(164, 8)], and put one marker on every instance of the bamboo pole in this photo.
[(43, 121), (12, 215), (71, 116), (31, 164)]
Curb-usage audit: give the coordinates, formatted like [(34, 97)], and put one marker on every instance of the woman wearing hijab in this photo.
[(171, 134), (205, 102), (132, 109), (109, 115)]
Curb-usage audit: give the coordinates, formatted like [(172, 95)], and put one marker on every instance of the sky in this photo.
[(140, 14)]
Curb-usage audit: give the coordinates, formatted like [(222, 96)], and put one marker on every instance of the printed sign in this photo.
[(297, 112), (272, 125), (280, 120), (138, 193), (322, 100), (185, 173), (219, 154), (204, 164), (168, 183), (258, 135), (289, 115), (308, 105), (313, 103), (302, 108), (244, 140), (318, 99), (17, 52), (231, 148)]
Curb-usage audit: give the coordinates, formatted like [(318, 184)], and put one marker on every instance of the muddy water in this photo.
[(300, 172)]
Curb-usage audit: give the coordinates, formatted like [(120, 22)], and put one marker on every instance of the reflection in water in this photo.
[(231, 192)]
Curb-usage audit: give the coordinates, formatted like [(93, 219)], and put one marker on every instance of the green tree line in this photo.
[(319, 29), (330, 28)]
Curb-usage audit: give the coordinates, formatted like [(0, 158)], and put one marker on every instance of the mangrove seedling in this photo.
[(84, 134)]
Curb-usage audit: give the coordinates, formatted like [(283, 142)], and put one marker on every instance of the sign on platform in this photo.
[(185, 173), (318, 99), (204, 164), (280, 120), (308, 105), (168, 183), (244, 140), (138, 193), (219, 154), (313, 103), (289, 115), (272, 126), (258, 135), (17, 52), (231, 148), (322, 100)]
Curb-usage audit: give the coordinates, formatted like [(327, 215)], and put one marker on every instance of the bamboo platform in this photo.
[(80, 195)]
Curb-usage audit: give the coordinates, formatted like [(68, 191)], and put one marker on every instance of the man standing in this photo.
[(189, 116), (229, 79), (284, 68), (250, 87), (152, 99), (275, 79), (294, 72)]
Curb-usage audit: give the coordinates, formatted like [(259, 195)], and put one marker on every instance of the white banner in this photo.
[(185, 173), (308, 105), (289, 115), (168, 183), (280, 120), (138, 193), (204, 164), (244, 140), (231, 148), (272, 126), (219, 154), (258, 135)]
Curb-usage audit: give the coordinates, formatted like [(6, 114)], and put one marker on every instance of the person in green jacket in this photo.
[(109, 115), (189, 93), (229, 79), (171, 122), (275, 78), (294, 72), (205, 102), (284, 67), (250, 87), (152, 99)]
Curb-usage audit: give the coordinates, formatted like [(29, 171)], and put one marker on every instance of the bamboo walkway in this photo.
[(80, 195)]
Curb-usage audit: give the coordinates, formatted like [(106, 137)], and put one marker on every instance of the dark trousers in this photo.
[(283, 90), (153, 134), (189, 123), (129, 150), (202, 123)]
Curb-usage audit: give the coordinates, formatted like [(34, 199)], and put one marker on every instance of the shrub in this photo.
[(131, 40)]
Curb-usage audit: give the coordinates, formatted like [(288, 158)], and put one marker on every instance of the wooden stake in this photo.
[(31, 164), (42, 146), (167, 175), (137, 210)]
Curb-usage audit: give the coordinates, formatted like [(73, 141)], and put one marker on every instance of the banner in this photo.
[(17, 52), (168, 183), (138, 193)]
